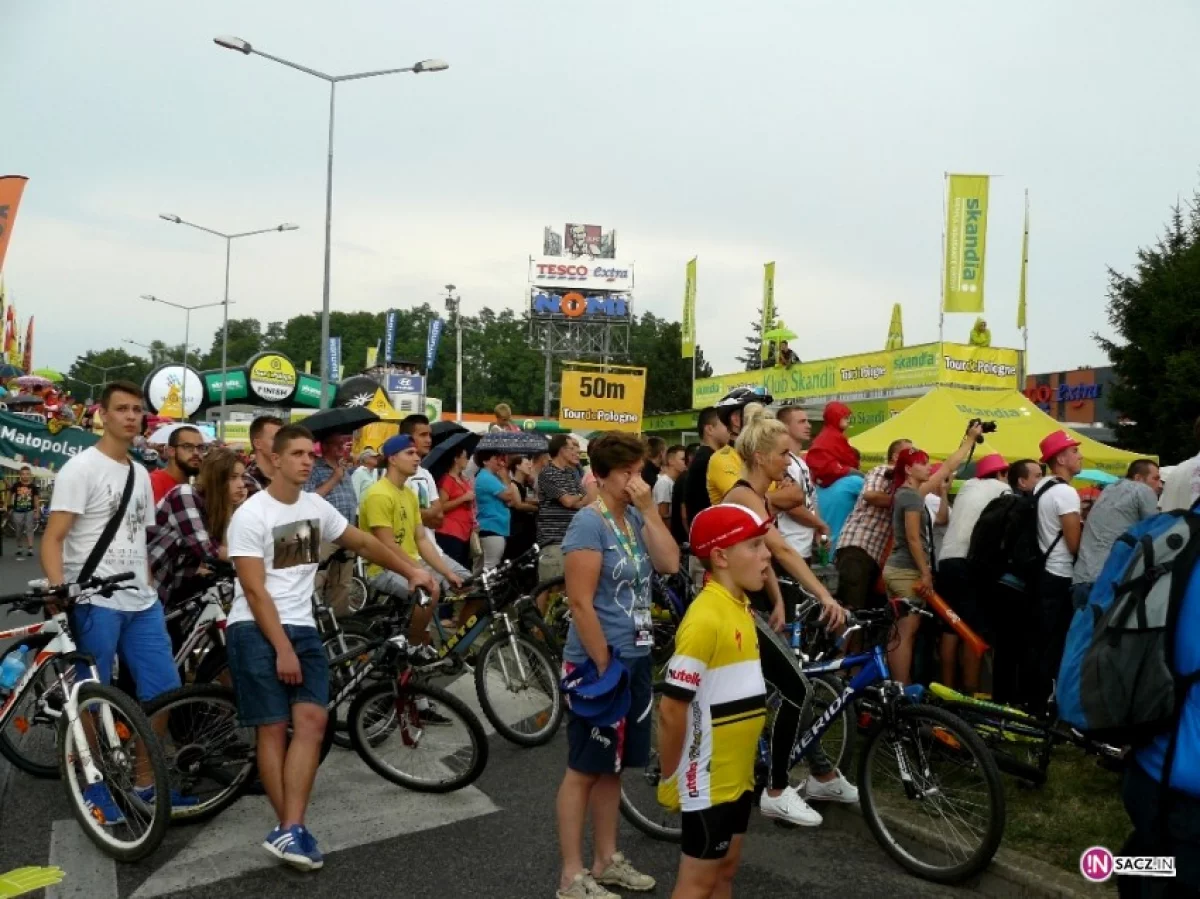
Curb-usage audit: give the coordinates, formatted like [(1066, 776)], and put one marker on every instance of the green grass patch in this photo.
[(1078, 806)]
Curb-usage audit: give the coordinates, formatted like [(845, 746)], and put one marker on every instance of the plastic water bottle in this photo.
[(12, 669), (796, 631)]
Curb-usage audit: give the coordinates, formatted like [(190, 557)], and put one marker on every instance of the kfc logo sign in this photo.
[(599, 274)]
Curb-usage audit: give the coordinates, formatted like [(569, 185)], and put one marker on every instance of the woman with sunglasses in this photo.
[(912, 561)]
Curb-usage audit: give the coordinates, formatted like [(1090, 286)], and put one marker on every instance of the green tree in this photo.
[(751, 356), (245, 340), (89, 372), (1155, 312)]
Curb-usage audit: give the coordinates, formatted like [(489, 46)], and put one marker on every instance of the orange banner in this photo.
[(11, 188)]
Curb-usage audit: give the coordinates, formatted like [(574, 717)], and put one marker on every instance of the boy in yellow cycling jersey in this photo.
[(714, 703)]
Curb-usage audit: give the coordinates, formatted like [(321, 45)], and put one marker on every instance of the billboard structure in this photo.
[(580, 299)]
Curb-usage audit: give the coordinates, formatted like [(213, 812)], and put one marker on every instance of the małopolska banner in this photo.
[(874, 374), (389, 336), (27, 441), (689, 312), (966, 243), (594, 399), (436, 326), (11, 188)]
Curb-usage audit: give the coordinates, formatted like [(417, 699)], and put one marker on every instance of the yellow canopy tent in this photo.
[(374, 435), (936, 423)]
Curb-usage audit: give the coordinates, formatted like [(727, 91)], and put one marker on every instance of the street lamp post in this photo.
[(187, 331), (454, 309), (426, 65), (105, 370), (229, 239)]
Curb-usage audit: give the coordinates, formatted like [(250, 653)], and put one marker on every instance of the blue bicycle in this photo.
[(929, 790)]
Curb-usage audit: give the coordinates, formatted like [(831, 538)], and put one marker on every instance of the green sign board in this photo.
[(25, 440), (236, 389), (673, 421), (308, 391)]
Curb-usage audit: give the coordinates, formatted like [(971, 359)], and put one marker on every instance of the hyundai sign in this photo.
[(592, 274)]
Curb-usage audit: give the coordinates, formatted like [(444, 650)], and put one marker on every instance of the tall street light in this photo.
[(425, 65), (187, 331), (229, 239), (454, 310), (105, 370)]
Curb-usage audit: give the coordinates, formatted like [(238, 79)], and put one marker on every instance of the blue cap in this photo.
[(601, 700), (397, 444)]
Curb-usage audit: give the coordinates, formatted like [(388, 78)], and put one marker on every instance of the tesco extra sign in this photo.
[(599, 274)]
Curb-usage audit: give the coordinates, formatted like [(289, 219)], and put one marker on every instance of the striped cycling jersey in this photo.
[(716, 670)]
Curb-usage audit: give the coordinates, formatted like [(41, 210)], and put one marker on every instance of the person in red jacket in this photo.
[(831, 457)]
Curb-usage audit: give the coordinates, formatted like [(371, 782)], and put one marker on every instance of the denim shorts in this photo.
[(262, 698)]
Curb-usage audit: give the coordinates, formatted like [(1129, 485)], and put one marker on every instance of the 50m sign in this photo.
[(602, 401)]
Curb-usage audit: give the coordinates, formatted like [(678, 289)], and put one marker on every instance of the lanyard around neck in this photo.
[(625, 540)]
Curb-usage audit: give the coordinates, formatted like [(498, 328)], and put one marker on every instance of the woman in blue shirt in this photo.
[(494, 493)]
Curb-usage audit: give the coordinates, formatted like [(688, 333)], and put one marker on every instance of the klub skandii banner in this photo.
[(966, 243)]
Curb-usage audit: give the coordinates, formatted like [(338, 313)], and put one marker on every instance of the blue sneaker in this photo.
[(276, 840), (178, 800), (101, 806), (302, 852)]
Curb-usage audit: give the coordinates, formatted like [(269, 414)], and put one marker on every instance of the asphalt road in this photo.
[(494, 839)]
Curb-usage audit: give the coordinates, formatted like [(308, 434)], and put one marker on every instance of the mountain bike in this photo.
[(103, 742), (197, 624), (929, 790), (1022, 743)]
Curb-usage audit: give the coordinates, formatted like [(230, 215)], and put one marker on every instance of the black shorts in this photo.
[(608, 750), (965, 595), (708, 833)]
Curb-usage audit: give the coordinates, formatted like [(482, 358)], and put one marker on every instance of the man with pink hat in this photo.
[(954, 580), (1060, 526)]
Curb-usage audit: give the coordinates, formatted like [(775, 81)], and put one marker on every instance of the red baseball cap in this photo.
[(1054, 444), (720, 527)]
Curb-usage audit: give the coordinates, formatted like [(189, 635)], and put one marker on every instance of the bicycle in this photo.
[(102, 739), (1022, 743), (905, 808), (216, 762)]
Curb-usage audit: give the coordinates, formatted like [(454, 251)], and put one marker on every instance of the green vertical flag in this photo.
[(689, 311), (966, 243), (1024, 269), (768, 307)]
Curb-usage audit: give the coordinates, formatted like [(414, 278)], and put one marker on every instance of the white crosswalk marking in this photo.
[(351, 806), (88, 872)]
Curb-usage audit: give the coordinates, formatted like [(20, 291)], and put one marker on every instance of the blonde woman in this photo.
[(765, 452)]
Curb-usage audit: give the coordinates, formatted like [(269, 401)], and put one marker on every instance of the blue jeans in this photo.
[(140, 637)]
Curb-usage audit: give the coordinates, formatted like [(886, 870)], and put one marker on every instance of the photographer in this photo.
[(912, 561)]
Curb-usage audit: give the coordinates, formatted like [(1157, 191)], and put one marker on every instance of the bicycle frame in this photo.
[(211, 613), (61, 647), (875, 670)]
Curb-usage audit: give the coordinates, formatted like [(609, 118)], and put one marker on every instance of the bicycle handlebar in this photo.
[(40, 591)]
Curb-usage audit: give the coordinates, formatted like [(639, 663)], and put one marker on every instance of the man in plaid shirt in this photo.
[(330, 478), (867, 534)]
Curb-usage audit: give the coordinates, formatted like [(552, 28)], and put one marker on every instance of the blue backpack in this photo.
[(1117, 681)]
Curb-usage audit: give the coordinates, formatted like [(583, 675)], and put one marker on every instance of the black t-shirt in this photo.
[(697, 484), (523, 528), (679, 529), (650, 473)]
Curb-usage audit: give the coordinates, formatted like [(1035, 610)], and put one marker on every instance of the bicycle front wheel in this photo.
[(29, 738), (838, 739), (354, 636), (931, 794), (123, 824), (639, 794), (518, 690), (418, 736), (210, 757)]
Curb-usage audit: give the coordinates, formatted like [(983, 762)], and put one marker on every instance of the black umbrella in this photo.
[(443, 429), (10, 371), (25, 399), (441, 457), (524, 443), (341, 420)]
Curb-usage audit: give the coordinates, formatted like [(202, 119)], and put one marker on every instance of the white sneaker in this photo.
[(837, 790), (789, 807)]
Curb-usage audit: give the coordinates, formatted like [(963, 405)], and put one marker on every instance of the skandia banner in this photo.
[(597, 274), (966, 243), (873, 374), (27, 441)]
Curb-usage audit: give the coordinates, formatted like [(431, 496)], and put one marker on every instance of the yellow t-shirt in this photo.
[(715, 669), (724, 470), (386, 506)]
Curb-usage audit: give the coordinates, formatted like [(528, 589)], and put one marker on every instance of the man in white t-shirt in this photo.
[(87, 494), (800, 519), (280, 672), (1060, 526), (425, 487), (664, 484)]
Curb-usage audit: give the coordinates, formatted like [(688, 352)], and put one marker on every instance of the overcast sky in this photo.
[(812, 134)]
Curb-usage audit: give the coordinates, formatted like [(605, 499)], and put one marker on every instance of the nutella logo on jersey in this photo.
[(691, 779), (681, 676)]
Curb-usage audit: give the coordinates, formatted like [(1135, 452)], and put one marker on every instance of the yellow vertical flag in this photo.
[(688, 343), (1024, 268), (966, 243), (372, 356), (895, 338), (768, 307), (308, 367)]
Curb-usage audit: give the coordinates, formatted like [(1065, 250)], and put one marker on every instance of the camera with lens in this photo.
[(988, 427)]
